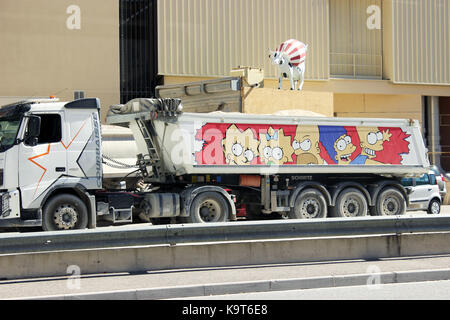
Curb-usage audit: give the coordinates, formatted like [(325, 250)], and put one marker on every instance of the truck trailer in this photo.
[(61, 169)]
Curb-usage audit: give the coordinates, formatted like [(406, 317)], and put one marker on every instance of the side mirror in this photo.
[(33, 130), (409, 190), (34, 126)]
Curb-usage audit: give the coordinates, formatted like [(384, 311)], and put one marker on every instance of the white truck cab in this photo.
[(50, 156)]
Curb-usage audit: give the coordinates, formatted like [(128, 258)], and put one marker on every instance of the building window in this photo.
[(355, 39)]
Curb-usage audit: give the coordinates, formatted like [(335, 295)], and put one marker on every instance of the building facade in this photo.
[(376, 58), (366, 58)]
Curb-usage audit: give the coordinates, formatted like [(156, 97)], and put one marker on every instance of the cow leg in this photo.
[(291, 77), (302, 80), (280, 79)]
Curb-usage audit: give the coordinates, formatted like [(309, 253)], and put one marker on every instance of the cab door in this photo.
[(41, 165)]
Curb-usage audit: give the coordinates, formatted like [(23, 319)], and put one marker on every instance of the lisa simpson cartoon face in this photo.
[(275, 147), (240, 147)]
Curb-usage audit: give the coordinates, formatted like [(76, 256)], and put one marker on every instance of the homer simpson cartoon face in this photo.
[(275, 147), (372, 140), (344, 149), (240, 147), (306, 145)]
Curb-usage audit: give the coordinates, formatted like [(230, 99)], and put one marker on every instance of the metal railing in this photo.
[(145, 235)]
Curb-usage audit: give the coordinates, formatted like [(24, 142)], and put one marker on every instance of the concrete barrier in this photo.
[(238, 253)]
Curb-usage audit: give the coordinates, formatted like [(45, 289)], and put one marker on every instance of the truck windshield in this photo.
[(8, 133)]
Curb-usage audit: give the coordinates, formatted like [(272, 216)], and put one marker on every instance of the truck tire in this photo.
[(309, 204), (209, 207), (434, 207), (64, 212), (350, 203), (390, 202)]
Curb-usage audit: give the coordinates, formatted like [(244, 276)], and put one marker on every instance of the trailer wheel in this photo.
[(390, 202), (64, 212), (350, 203), (209, 207), (309, 204)]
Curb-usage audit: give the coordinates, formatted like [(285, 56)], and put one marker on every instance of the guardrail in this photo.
[(113, 237)]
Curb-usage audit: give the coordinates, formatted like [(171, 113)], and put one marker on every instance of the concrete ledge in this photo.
[(258, 286), (163, 257)]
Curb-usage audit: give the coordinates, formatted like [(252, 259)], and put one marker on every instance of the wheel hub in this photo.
[(310, 208), (351, 207), (209, 211), (65, 217), (391, 206)]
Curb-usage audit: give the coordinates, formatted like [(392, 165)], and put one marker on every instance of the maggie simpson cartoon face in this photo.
[(306, 145), (275, 147), (240, 147)]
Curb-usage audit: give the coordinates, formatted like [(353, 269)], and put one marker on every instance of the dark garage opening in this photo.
[(138, 49)]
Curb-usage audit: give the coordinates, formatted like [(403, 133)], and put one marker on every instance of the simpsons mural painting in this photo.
[(306, 145), (261, 144), (240, 147), (275, 147)]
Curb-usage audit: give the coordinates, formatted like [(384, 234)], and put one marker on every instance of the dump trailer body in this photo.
[(235, 143)]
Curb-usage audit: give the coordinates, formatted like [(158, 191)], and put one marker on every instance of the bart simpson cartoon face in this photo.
[(344, 149), (372, 140), (240, 147), (306, 145), (275, 147)]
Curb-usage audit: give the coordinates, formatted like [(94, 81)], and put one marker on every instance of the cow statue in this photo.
[(290, 59)]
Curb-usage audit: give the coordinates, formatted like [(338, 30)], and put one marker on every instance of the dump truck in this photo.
[(61, 169)]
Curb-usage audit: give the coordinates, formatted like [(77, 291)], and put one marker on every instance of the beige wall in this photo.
[(343, 98), (40, 56), (269, 100), (387, 39), (355, 50), (378, 106), (421, 41), (210, 37)]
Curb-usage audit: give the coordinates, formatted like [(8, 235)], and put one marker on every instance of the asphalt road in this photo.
[(429, 290)]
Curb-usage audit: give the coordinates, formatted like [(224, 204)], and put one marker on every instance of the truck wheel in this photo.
[(390, 202), (434, 207), (209, 207), (309, 204), (64, 212), (350, 203)]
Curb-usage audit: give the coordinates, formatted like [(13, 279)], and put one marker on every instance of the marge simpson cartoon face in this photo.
[(275, 147), (240, 147), (306, 145)]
